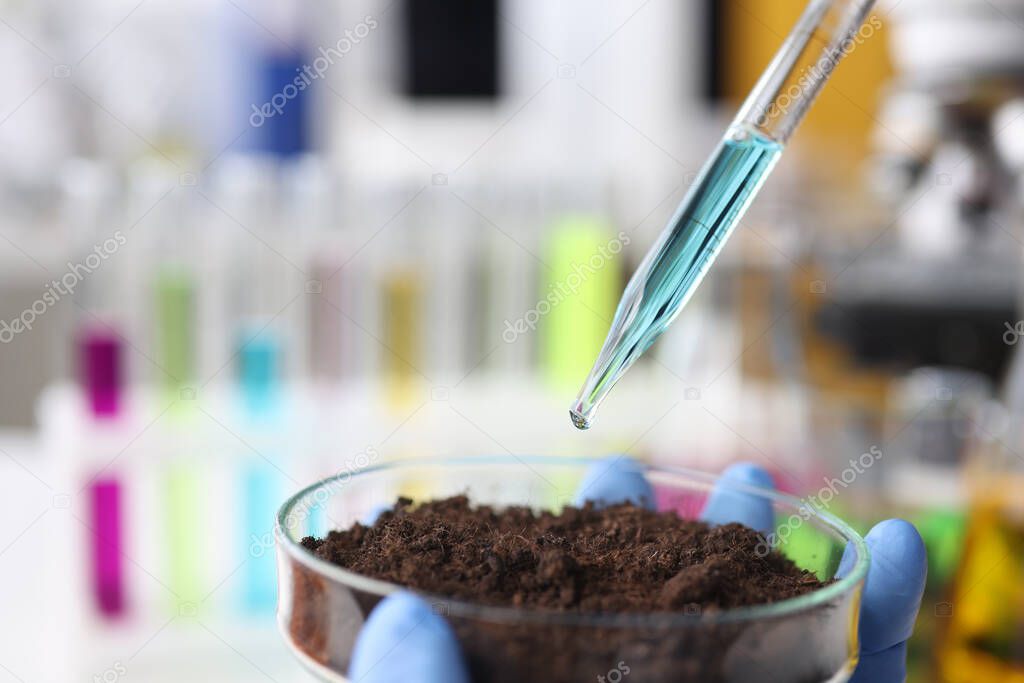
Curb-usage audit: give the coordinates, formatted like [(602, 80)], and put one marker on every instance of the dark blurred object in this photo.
[(899, 312), (451, 48), (715, 52)]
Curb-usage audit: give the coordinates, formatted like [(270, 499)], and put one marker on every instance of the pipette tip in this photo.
[(579, 420)]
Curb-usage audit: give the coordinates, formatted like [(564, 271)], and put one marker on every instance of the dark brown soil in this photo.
[(621, 559), (615, 559)]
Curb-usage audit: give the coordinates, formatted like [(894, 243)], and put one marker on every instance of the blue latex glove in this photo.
[(404, 641)]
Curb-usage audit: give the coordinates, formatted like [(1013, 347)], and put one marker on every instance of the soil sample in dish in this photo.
[(617, 560)]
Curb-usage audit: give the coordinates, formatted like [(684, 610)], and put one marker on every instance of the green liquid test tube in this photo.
[(183, 526), (175, 325), (577, 296)]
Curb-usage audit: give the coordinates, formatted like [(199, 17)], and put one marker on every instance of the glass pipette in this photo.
[(674, 267)]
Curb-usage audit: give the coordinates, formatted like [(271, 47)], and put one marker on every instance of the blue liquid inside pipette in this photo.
[(676, 264)]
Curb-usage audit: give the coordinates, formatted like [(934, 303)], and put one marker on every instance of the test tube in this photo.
[(510, 277), (326, 343), (259, 372), (577, 295), (88, 195), (175, 326), (448, 294), (183, 526), (101, 350), (403, 301), (311, 208), (261, 489), (100, 359), (249, 192), (181, 471), (107, 538), (258, 376)]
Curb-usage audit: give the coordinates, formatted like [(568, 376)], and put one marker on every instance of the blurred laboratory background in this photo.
[(246, 244)]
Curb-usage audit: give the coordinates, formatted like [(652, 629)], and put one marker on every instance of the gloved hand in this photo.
[(404, 641)]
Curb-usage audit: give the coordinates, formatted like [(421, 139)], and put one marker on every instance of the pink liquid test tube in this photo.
[(100, 352), (100, 358), (107, 561)]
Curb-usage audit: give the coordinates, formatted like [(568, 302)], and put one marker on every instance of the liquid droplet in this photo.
[(578, 420)]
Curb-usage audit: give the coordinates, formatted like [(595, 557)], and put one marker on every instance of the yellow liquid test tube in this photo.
[(403, 301)]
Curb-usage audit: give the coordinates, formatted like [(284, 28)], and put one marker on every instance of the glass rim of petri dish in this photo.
[(528, 615)]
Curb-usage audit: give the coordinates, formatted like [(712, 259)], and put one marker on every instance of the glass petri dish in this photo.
[(808, 639)]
